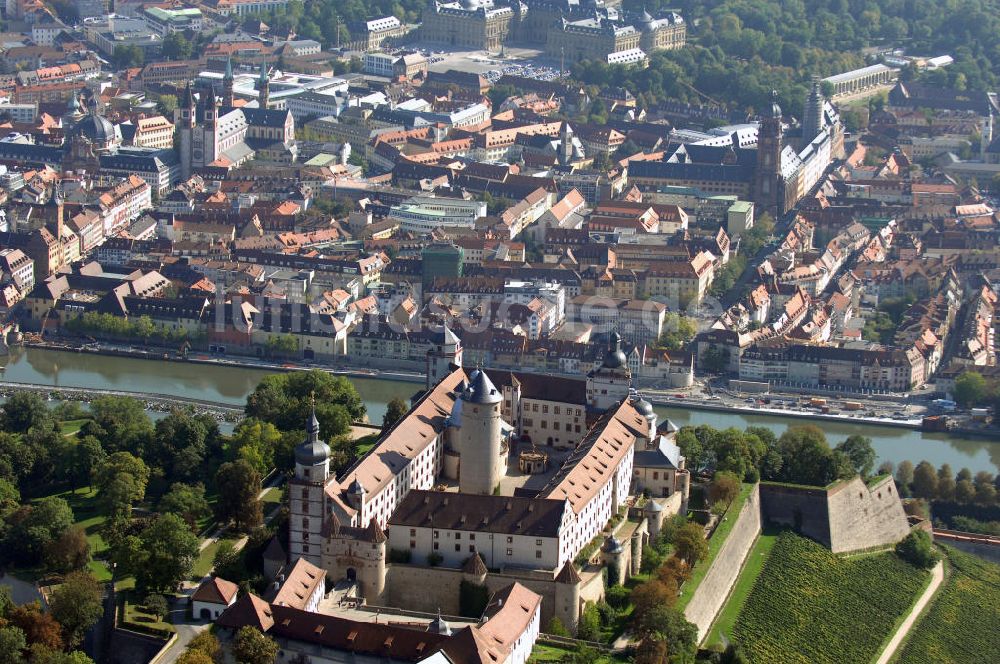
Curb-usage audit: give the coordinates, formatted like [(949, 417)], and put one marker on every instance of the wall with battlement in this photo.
[(714, 588), (844, 517), (429, 589), (862, 517)]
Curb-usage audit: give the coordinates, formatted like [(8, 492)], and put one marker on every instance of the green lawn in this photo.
[(962, 623), (203, 565), (365, 443), (810, 606), (546, 654), (71, 427), (273, 496), (134, 614), (726, 619), (87, 512), (714, 544)]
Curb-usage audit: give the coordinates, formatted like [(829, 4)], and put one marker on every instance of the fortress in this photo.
[(444, 497)]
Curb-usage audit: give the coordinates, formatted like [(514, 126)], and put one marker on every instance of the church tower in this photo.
[(184, 120), (483, 455), (444, 357), (263, 88), (609, 384), (768, 191), (307, 504), (206, 145), (227, 85), (812, 118), (565, 144)]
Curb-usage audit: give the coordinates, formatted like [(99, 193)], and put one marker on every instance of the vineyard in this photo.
[(963, 623), (809, 605)]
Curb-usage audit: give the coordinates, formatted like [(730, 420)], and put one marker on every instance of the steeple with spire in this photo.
[(227, 85), (263, 87)]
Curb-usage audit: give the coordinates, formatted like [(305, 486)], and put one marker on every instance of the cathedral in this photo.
[(214, 133)]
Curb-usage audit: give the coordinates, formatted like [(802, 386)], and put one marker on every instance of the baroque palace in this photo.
[(590, 30)]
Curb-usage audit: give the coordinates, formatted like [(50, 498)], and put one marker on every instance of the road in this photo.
[(937, 576)]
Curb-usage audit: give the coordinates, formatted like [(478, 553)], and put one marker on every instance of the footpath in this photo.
[(937, 576)]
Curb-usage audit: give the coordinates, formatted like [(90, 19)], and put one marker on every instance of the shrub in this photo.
[(400, 555), (472, 599), (434, 559), (589, 628), (916, 549), (557, 628), (617, 596)]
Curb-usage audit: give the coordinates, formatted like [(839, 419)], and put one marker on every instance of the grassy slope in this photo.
[(714, 544), (752, 568), (810, 605), (963, 622)]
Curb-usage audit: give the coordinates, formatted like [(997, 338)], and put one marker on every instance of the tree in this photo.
[(168, 550), (188, 502), (239, 486), (180, 445), (970, 389), (715, 360), (128, 55), (395, 410), (77, 605), (39, 627), (12, 642), (168, 104), (965, 492), (120, 423), (24, 410), (589, 626), (35, 527), (70, 551), (557, 628), (806, 456), (859, 450), (917, 549), (285, 400), (121, 481), (194, 657), (206, 643), (156, 605), (84, 460), (256, 442), (945, 483), (176, 46), (45, 655), (904, 476), (10, 497), (691, 448), (690, 545), (925, 481), (678, 331), (724, 488), (653, 593), (252, 647)]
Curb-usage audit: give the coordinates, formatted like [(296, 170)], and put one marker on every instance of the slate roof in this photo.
[(507, 515)]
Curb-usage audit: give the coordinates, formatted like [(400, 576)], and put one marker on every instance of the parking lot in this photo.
[(526, 62)]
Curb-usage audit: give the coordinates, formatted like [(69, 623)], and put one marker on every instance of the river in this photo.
[(231, 385)]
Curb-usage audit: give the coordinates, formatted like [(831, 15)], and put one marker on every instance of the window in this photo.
[(545, 408), (510, 552), (458, 536), (458, 548), (436, 534), (413, 544), (472, 548), (472, 536), (538, 553), (656, 475), (538, 542), (435, 546), (510, 540), (305, 494), (305, 548), (555, 409), (413, 532)]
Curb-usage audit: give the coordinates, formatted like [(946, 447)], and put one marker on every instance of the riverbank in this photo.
[(655, 397), (165, 355)]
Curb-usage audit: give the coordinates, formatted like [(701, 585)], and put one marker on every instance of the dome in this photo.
[(96, 129), (614, 358), (439, 626), (312, 453), (612, 545), (355, 488), (775, 109), (642, 407)]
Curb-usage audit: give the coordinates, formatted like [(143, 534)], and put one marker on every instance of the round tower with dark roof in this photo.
[(611, 382), (483, 457)]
